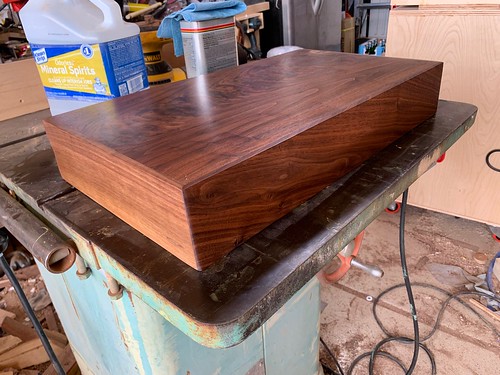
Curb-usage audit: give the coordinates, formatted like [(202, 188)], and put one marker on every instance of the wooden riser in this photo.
[(208, 163)]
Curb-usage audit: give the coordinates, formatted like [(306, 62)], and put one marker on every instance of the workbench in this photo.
[(139, 310)]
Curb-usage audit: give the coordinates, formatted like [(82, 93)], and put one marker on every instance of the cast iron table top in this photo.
[(221, 306)]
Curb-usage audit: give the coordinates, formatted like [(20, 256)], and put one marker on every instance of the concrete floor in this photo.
[(463, 344)]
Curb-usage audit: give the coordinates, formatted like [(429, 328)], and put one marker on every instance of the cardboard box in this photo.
[(347, 35)]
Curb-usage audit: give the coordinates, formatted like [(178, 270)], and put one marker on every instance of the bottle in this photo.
[(380, 49), (84, 51)]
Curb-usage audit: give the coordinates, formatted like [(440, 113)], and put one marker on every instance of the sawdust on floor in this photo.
[(462, 345)]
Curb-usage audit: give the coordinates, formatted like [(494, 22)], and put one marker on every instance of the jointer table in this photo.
[(139, 310)]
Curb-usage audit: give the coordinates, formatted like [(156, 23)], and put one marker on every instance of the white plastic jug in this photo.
[(84, 51)]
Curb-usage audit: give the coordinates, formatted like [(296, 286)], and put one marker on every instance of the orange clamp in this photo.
[(345, 261)]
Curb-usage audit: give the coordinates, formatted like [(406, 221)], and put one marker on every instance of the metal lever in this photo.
[(368, 268)]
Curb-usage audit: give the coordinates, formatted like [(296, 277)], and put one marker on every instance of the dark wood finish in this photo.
[(202, 165), (245, 288)]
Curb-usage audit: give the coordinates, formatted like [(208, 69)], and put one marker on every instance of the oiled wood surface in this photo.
[(264, 188), (201, 167), (192, 129)]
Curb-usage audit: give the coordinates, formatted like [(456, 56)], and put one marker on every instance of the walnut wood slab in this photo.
[(201, 165)]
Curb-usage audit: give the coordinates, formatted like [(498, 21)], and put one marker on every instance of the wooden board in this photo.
[(50, 318), (206, 164), (5, 283), (29, 353), (6, 314), (21, 91), (67, 361), (8, 342), (466, 40), (15, 328)]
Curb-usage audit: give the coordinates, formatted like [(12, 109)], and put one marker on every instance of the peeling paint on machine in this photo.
[(127, 336)]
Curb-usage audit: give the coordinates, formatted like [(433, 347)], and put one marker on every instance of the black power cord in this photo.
[(417, 342), (450, 297), (409, 292), (332, 356), (29, 311), (488, 162)]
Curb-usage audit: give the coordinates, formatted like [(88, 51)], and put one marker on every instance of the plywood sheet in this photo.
[(21, 91), (469, 46), (201, 167)]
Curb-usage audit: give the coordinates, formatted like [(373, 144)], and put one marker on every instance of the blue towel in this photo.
[(170, 26)]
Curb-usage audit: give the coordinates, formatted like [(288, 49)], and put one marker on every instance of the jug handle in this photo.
[(111, 11)]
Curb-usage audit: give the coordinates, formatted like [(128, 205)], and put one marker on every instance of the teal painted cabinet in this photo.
[(126, 336)]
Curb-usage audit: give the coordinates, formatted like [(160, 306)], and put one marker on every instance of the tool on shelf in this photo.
[(158, 69), (143, 11), (250, 28)]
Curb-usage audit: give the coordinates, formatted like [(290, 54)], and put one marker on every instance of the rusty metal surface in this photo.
[(48, 248), (22, 128), (29, 168), (223, 305)]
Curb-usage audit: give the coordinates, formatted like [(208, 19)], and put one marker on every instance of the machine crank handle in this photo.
[(368, 268)]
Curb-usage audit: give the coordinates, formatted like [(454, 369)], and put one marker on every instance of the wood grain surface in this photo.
[(206, 163), (466, 40), (21, 91)]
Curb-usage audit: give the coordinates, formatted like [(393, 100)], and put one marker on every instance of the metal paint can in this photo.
[(209, 45)]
